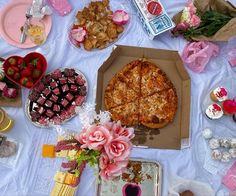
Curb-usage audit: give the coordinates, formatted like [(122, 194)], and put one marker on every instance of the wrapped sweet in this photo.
[(207, 133), (232, 152), (233, 143), (7, 148), (214, 143), (225, 143), (216, 154), (226, 157)]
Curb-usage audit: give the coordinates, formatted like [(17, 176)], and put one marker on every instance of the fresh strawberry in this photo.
[(16, 69), (10, 71), (23, 81), (36, 73), (16, 76), (22, 65), (29, 84), (12, 61), (26, 72), (30, 66), (20, 61), (37, 64)]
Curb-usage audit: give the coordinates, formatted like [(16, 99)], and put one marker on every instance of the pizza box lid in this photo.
[(175, 133)]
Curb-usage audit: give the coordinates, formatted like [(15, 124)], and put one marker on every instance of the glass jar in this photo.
[(36, 31)]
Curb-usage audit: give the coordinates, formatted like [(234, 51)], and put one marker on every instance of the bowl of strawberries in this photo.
[(25, 71)]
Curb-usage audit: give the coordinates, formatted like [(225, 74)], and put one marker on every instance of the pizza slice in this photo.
[(118, 93), (157, 110), (127, 113), (131, 74), (153, 79)]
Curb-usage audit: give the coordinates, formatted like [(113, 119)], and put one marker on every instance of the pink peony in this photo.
[(97, 137), (195, 21), (113, 169), (82, 138), (118, 149), (196, 55)]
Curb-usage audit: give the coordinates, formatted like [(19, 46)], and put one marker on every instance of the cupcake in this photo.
[(214, 111), (219, 94), (229, 107)]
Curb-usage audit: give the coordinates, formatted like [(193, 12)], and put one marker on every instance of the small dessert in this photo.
[(219, 94), (232, 152), (233, 143), (229, 107), (186, 193), (226, 157), (216, 154), (214, 143), (214, 111), (207, 133), (225, 143)]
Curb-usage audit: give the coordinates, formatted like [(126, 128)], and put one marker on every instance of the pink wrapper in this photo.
[(229, 179), (196, 55)]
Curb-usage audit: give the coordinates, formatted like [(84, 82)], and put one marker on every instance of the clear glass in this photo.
[(36, 31)]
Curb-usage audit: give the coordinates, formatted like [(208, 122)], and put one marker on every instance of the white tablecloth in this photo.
[(33, 175)]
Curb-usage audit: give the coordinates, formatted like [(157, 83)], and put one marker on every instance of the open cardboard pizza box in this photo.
[(176, 132)]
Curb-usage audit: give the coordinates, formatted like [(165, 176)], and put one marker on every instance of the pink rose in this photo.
[(180, 27), (192, 9), (103, 160), (118, 130), (118, 149), (82, 138), (113, 169), (196, 55), (195, 21), (97, 137)]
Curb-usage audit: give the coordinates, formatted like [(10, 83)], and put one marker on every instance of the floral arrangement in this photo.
[(104, 143), (194, 23)]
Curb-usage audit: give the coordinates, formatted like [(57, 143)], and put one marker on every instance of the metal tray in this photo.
[(146, 180), (50, 124)]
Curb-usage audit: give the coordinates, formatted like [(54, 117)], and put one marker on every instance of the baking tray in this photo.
[(130, 183)]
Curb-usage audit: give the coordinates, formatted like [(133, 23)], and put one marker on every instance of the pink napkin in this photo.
[(196, 55)]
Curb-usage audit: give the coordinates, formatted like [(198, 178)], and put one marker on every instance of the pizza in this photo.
[(141, 94)]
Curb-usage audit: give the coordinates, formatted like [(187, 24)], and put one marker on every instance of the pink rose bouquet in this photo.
[(194, 23), (112, 141)]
